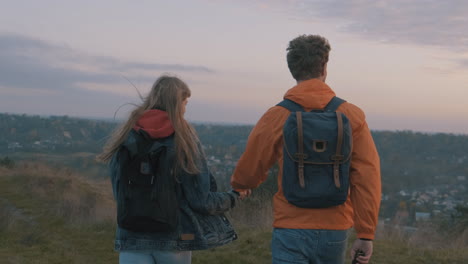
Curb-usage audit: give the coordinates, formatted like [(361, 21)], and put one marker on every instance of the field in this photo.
[(53, 215)]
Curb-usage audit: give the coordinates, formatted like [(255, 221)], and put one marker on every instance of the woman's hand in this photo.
[(244, 193)]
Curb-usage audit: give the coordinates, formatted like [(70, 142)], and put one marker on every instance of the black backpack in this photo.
[(317, 155), (147, 190)]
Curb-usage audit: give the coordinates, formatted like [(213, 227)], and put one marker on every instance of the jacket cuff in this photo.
[(238, 186), (366, 236), (234, 195)]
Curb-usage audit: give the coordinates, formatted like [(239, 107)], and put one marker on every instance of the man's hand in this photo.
[(364, 245), (244, 193)]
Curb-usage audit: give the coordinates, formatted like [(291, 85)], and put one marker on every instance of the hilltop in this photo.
[(52, 215)]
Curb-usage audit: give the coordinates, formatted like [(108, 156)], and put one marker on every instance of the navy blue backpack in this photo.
[(317, 155)]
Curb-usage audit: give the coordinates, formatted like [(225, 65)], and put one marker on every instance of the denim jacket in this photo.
[(202, 223)]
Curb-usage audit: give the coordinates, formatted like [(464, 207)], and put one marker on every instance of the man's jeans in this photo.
[(308, 246), (155, 257)]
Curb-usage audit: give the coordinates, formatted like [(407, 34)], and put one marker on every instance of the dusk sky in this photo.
[(405, 63)]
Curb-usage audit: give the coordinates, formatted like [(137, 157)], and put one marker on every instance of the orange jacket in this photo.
[(265, 147)]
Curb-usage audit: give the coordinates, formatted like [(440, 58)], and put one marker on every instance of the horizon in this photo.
[(221, 123), (405, 64)]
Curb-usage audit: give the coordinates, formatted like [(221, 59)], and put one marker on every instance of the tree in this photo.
[(460, 217), (7, 163)]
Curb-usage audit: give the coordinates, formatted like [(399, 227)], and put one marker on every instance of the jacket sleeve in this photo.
[(262, 150), (200, 192), (114, 173), (365, 181)]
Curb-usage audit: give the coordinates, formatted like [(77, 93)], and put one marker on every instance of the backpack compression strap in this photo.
[(338, 156), (300, 154), (294, 107), (332, 106)]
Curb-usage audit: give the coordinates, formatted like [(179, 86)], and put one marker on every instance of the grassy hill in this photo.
[(53, 215)]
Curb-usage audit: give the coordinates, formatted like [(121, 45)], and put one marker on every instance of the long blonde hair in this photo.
[(168, 93)]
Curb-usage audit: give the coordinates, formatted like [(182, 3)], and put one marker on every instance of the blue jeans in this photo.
[(155, 257), (308, 246)]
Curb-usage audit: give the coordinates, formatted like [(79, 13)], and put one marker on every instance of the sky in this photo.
[(405, 63)]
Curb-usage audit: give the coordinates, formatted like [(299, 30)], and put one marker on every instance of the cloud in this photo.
[(161, 67), (26, 72), (421, 22), (32, 64)]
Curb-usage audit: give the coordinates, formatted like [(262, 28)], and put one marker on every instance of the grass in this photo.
[(395, 251), (54, 218), (49, 215), (252, 246), (79, 161)]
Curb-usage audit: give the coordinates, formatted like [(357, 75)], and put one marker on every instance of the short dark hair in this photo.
[(307, 56)]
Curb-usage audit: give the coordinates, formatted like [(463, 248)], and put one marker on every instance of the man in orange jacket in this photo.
[(306, 235)]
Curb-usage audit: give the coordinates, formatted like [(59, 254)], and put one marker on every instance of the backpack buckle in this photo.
[(319, 145), (337, 157)]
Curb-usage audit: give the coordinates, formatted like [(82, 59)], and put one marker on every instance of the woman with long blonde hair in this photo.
[(202, 224)]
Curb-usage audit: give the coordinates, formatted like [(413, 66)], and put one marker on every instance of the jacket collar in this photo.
[(311, 94)]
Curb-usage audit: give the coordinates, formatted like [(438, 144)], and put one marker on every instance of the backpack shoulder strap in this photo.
[(334, 103), (291, 105)]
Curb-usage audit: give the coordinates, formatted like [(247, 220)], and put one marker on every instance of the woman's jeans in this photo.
[(155, 257), (308, 246)]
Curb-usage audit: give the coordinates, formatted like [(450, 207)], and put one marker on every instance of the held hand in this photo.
[(244, 193), (366, 247)]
